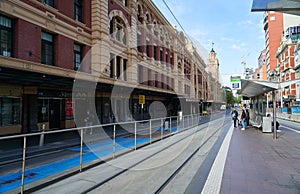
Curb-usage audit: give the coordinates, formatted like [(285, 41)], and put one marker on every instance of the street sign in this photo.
[(141, 99)]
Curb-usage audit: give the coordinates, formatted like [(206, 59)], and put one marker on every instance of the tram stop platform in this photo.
[(257, 163)]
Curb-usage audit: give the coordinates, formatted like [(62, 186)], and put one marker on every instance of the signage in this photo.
[(235, 82), (141, 99), (69, 109)]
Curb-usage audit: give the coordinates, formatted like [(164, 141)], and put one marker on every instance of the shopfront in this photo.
[(10, 109)]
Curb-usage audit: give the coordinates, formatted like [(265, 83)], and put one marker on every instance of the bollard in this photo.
[(42, 137)]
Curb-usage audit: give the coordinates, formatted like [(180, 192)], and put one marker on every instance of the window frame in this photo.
[(78, 10), (47, 43), (50, 3), (77, 65), (6, 51)]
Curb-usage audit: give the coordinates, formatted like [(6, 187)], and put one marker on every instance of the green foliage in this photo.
[(230, 99)]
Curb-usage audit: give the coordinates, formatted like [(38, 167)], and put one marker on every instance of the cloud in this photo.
[(245, 22)]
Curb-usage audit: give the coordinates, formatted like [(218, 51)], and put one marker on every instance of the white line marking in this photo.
[(290, 129), (214, 179)]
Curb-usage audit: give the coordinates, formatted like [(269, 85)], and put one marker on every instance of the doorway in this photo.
[(54, 114)]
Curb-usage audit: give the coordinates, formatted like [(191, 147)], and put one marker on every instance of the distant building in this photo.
[(249, 73), (286, 63), (274, 25), (262, 66)]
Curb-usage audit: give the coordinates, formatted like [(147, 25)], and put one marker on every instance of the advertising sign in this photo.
[(235, 82)]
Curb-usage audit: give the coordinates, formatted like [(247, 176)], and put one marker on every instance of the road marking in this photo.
[(214, 179), (291, 129)]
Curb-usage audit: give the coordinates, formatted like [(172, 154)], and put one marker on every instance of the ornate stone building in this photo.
[(105, 48)]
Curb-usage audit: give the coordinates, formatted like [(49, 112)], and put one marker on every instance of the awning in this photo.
[(285, 6), (252, 88)]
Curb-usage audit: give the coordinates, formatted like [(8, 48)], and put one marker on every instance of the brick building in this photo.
[(48, 45)]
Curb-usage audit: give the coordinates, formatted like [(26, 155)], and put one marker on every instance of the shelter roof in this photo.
[(251, 88)]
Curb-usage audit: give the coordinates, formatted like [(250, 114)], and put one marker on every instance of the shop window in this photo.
[(10, 111), (78, 10), (47, 48), (48, 2), (6, 36), (77, 56), (43, 107)]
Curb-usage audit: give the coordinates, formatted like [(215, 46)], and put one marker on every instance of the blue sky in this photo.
[(237, 32)]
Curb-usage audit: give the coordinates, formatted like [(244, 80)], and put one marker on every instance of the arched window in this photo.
[(118, 29)]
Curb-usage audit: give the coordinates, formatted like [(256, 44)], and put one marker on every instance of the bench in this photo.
[(257, 122)]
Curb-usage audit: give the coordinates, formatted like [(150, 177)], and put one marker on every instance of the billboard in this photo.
[(235, 82)]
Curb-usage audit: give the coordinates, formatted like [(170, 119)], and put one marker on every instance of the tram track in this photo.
[(175, 172)]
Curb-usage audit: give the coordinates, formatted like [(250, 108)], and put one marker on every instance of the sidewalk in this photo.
[(257, 163)]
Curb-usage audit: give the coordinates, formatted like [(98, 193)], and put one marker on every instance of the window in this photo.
[(5, 36), (48, 2), (125, 70), (47, 48), (117, 30), (78, 10), (10, 111), (77, 56)]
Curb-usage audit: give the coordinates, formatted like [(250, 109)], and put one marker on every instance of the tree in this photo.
[(230, 99)]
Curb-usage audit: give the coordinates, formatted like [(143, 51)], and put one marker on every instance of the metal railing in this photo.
[(155, 129)]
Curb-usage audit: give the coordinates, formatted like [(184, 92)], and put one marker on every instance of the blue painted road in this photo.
[(92, 152)]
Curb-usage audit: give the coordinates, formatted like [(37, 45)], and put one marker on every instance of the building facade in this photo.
[(47, 46), (262, 66)]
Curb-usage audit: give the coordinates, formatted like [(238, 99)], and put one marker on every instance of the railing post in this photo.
[(177, 123), (170, 125), (81, 146), (150, 132), (135, 136), (114, 149), (161, 131), (23, 164)]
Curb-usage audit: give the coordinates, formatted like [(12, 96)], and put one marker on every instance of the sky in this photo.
[(237, 33)]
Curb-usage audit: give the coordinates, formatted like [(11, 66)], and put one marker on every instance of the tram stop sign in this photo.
[(141, 99)]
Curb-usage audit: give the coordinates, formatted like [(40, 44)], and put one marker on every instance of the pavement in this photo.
[(257, 163)]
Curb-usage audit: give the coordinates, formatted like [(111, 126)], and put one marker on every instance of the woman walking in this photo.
[(243, 118)]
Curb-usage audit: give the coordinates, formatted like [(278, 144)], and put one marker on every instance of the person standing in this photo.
[(243, 118), (234, 115)]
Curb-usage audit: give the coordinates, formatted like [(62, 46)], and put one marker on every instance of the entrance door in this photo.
[(54, 118)]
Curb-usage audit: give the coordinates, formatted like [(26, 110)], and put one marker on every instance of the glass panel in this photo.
[(47, 37), (10, 111), (6, 22), (43, 106)]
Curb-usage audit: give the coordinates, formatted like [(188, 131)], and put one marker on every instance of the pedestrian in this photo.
[(89, 121), (277, 123), (234, 115), (247, 117), (243, 118)]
